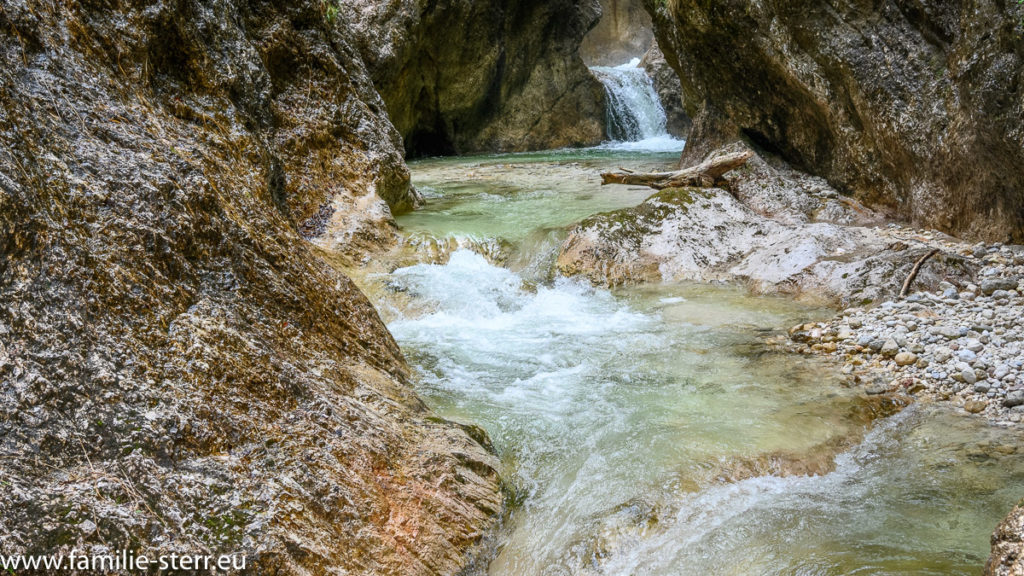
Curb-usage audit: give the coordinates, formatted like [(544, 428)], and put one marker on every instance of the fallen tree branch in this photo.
[(914, 271), (703, 175)]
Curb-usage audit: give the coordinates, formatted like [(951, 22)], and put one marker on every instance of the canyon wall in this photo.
[(463, 76), (917, 105), (179, 371), (670, 91)]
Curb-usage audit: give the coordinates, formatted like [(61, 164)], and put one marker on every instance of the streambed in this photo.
[(635, 425)]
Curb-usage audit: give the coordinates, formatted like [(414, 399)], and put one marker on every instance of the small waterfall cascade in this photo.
[(634, 110)]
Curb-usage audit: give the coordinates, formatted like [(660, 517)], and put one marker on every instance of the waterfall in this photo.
[(634, 111)]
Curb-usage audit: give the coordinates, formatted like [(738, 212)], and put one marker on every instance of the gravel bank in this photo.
[(963, 344)]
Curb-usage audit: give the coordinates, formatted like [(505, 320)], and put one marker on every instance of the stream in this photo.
[(635, 425)]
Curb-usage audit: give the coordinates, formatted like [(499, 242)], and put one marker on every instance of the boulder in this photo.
[(774, 229), (1007, 558)]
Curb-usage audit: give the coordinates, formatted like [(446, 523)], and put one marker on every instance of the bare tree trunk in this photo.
[(703, 175)]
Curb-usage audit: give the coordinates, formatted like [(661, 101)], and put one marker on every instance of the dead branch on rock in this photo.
[(704, 175), (914, 271)]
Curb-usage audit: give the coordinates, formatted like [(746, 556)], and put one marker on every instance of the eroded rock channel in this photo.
[(247, 309), (650, 427)]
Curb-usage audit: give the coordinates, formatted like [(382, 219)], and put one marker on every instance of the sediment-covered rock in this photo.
[(912, 105), (179, 373), (467, 76)]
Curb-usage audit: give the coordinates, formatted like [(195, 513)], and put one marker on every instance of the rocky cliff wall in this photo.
[(461, 76), (913, 104), (179, 371)]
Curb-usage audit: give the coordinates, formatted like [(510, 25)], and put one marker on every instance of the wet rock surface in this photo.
[(775, 229), (464, 76), (911, 105), (179, 371), (624, 32)]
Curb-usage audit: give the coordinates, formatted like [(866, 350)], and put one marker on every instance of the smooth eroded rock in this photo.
[(471, 76)]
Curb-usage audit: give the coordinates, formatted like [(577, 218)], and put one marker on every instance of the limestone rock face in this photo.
[(469, 76), (179, 371), (915, 105), (1007, 557)]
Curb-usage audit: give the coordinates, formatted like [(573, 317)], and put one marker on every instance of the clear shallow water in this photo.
[(515, 207), (627, 421)]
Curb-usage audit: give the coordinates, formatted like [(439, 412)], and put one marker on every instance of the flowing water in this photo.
[(634, 111), (649, 430)]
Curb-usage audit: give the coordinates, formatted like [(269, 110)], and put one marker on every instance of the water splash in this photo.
[(634, 112)]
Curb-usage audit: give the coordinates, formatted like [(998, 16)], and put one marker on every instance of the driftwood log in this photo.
[(913, 272), (703, 175)]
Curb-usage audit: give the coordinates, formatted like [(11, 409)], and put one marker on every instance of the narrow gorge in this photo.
[(335, 287)]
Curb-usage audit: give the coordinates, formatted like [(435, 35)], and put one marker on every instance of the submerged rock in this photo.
[(179, 372)]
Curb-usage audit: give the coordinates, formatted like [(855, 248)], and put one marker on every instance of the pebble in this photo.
[(975, 406), (905, 358), (1015, 398), (990, 285), (890, 348), (969, 376)]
